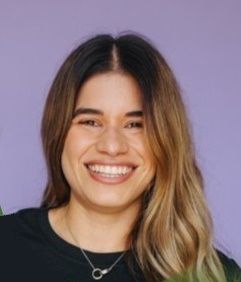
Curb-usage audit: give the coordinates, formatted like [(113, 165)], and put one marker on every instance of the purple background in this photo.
[(200, 39)]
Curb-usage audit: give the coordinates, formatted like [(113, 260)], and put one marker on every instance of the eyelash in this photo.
[(138, 124), (92, 122), (88, 122)]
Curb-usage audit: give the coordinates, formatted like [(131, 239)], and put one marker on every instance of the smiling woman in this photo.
[(124, 199), (105, 151)]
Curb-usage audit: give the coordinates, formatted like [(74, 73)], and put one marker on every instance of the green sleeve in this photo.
[(231, 268), (233, 272)]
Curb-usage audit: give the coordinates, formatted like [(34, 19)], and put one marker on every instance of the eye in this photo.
[(89, 122), (135, 124)]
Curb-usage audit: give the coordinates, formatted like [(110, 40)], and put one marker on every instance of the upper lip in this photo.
[(111, 163)]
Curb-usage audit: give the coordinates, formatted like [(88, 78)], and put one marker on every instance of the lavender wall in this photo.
[(202, 42)]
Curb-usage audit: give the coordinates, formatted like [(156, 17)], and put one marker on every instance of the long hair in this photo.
[(173, 233)]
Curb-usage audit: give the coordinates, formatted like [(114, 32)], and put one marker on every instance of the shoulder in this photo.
[(231, 268), (23, 213), (15, 223)]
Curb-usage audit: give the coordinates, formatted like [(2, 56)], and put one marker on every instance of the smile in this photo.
[(110, 170), (110, 173)]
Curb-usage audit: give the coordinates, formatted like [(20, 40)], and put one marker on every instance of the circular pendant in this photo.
[(97, 273)]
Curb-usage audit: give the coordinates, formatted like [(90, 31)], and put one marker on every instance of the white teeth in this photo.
[(110, 171)]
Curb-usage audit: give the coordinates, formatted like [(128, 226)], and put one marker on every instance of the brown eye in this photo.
[(89, 123), (135, 124)]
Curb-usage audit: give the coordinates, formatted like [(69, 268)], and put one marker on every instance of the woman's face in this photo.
[(105, 157)]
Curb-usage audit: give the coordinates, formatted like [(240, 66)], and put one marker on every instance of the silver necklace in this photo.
[(97, 273)]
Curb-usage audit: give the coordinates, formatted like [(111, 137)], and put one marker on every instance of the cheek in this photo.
[(71, 153), (76, 143), (141, 148), (148, 166)]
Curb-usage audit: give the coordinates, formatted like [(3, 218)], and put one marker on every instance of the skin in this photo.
[(106, 206)]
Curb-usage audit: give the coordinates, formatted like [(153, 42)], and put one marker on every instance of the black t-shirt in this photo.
[(30, 250)]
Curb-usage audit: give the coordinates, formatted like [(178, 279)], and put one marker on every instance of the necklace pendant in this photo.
[(98, 273)]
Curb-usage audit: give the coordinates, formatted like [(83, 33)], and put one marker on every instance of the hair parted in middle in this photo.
[(173, 234)]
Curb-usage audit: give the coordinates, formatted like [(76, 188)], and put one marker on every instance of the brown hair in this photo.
[(174, 232)]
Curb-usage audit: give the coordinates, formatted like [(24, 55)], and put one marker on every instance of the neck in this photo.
[(95, 231)]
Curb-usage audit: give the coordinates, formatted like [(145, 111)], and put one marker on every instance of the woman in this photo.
[(124, 199)]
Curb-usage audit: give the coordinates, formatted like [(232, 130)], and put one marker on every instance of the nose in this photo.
[(112, 142)]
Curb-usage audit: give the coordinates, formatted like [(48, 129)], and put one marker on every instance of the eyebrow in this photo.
[(91, 111)]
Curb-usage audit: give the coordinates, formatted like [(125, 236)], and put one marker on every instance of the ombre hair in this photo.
[(173, 234)]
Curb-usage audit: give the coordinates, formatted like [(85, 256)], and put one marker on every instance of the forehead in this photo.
[(110, 90)]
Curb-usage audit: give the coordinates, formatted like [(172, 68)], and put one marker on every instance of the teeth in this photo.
[(110, 171)]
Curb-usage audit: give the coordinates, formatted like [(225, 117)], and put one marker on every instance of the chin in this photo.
[(112, 203)]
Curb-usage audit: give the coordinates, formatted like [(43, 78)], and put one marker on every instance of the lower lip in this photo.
[(109, 180)]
